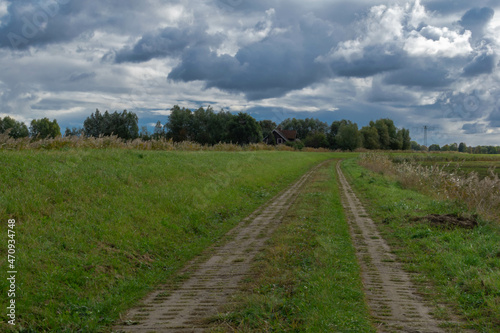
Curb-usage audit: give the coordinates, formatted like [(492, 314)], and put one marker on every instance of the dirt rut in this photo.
[(391, 296), (211, 282)]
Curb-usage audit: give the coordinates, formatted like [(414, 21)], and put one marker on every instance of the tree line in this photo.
[(463, 148), (207, 126), (39, 128)]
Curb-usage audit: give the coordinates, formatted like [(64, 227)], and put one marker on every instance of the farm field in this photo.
[(98, 229), (455, 162)]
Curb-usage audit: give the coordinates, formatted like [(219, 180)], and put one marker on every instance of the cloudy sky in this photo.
[(421, 63)]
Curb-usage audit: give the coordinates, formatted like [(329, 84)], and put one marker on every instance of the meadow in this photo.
[(97, 229)]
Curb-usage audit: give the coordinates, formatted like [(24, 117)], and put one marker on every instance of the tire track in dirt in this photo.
[(210, 284), (392, 297)]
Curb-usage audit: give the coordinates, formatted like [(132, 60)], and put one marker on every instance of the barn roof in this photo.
[(287, 134)]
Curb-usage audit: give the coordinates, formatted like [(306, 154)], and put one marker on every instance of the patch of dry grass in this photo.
[(103, 142), (478, 194)]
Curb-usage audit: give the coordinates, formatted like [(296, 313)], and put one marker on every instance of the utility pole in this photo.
[(425, 136)]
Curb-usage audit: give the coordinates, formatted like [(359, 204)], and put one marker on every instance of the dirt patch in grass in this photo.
[(449, 221)]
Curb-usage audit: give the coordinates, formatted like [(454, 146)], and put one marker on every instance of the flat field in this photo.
[(96, 230), (482, 164)]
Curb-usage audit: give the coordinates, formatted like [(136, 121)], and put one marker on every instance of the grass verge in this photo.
[(461, 266), (99, 229), (308, 279)]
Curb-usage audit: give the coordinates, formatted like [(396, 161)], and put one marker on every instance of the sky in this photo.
[(431, 63)]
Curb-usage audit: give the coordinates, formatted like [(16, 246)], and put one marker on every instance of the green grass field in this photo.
[(98, 229)]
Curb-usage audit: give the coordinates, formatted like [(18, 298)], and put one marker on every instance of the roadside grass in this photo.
[(307, 279), (99, 229), (458, 269)]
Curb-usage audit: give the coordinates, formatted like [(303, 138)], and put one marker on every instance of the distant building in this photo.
[(281, 136)]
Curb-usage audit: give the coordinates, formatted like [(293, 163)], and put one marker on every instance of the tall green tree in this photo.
[(462, 147), (73, 132), (348, 137), (406, 139), (124, 124), (159, 131), (15, 128), (304, 126), (179, 124), (434, 147), (267, 127), (334, 131), (316, 139), (371, 138), (244, 129), (44, 128)]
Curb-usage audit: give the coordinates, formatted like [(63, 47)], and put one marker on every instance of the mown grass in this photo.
[(459, 269), (98, 229), (308, 279)]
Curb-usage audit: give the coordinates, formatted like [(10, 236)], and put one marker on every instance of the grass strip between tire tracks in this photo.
[(308, 279)]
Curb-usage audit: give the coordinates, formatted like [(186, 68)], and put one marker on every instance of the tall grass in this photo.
[(481, 195), (103, 142)]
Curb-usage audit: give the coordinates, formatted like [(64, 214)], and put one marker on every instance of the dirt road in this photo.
[(212, 281), (391, 296)]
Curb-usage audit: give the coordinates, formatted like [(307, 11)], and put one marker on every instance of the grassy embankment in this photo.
[(98, 229), (308, 279), (459, 269)]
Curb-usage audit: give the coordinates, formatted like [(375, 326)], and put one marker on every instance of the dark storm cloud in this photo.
[(269, 68), (420, 76), (474, 128), (477, 17), (475, 20), (482, 64), (376, 59), (168, 42), (456, 6), (494, 118), (38, 23)]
